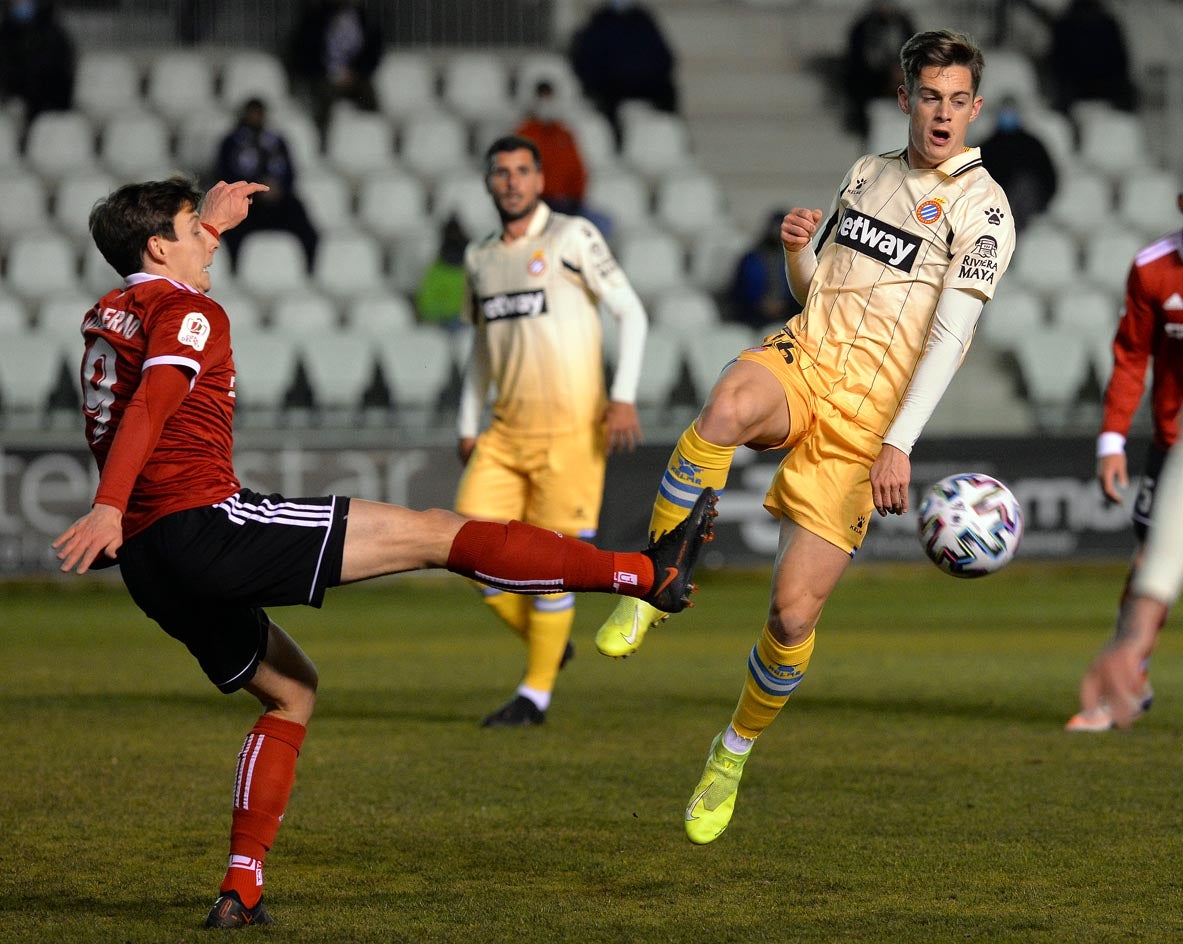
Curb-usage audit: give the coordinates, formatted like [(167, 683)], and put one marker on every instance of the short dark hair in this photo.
[(122, 222), (508, 143), (940, 48)]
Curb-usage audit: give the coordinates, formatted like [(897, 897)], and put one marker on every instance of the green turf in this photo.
[(918, 787)]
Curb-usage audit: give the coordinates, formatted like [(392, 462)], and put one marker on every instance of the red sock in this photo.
[(525, 559), (266, 771)]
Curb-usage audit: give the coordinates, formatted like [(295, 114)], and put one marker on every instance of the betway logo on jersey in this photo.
[(514, 305), (867, 235)]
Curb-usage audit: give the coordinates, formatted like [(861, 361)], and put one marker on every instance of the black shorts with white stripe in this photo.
[(205, 574)]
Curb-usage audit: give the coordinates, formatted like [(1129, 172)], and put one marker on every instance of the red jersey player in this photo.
[(1151, 328), (202, 555)]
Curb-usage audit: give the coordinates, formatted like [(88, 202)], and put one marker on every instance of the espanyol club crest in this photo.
[(537, 264), (929, 211)]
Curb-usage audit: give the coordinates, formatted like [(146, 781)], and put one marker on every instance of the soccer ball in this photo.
[(970, 524)]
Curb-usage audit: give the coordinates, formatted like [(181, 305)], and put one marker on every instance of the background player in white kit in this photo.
[(534, 294)]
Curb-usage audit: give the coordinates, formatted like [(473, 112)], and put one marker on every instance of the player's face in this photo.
[(515, 184), (190, 256), (940, 112)]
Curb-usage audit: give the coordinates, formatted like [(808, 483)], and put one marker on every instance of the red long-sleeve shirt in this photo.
[(1151, 327)]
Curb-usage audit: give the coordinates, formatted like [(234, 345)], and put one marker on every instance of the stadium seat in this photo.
[(404, 84), (105, 83), (622, 196), (1055, 130), (60, 142), (265, 367), (660, 373), (29, 373), (417, 366), (410, 255), (1011, 74), (348, 264), (98, 278), (180, 82), (245, 314), (595, 138), (76, 195), (1108, 256), (10, 140), (327, 197), (271, 263), (476, 85), (199, 138), (654, 143), (433, 145), (24, 205), (253, 73), (1045, 259), (652, 260), (530, 68), (463, 195), (393, 203), (1083, 203), (386, 315), (41, 264), (1111, 141), (1148, 202), (304, 313), (1012, 312), (135, 146), (359, 143), (302, 136), (714, 255), (340, 366), (60, 316), (711, 351), (684, 309), (1054, 366), (887, 128), (1088, 312), (14, 318), (689, 203)]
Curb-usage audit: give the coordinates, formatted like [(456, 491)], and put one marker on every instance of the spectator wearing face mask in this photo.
[(36, 58), (566, 178), (1020, 164)]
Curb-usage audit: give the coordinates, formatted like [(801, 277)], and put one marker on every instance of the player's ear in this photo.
[(901, 96), (977, 109), (154, 249)]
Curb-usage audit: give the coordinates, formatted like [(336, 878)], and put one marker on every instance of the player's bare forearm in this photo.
[(99, 531), (1113, 474), (622, 427), (226, 205), (891, 474)]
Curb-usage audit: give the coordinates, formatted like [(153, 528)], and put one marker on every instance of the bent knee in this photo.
[(791, 625)]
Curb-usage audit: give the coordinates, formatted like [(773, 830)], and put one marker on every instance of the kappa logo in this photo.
[(859, 525), (537, 264), (514, 305), (870, 237), (995, 215), (857, 189), (688, 472)]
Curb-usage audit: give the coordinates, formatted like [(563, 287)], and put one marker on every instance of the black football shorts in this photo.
[(205, 574)]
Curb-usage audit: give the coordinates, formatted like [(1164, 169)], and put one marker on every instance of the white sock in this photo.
[(541, 699)]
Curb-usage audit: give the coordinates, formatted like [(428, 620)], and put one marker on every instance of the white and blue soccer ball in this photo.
[(970, 524)]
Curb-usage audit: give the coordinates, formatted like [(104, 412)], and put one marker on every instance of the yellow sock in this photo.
[(694, 464), (513, 609), (550, 619), (774, 671)]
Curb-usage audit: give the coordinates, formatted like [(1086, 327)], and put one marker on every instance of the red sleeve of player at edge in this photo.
[(161, 390)]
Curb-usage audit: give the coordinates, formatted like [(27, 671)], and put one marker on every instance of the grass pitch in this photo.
[(917, 788)]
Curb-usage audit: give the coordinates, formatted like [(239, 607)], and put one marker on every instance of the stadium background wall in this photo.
[(43, 489)]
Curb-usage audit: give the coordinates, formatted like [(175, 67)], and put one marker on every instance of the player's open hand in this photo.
[(99, 531), (1113, 474), (799, 227), (891, 474), (226, 205), (622, 428)]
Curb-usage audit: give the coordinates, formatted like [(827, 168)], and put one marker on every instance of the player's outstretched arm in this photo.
[(226, 205), (99, 531)]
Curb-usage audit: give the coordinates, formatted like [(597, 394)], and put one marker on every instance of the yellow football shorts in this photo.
[(553, 482), (824, 482)]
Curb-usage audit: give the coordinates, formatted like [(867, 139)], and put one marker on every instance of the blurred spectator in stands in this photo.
[(440, 295), (1020, 163), (251, 151), (619, 55), (872, 63), (760, 293), (1089, 58), (334, 52), (36, 57), (565, 177)]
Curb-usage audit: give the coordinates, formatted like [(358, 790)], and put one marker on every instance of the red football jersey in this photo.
[(154, 321), (1151, 327)]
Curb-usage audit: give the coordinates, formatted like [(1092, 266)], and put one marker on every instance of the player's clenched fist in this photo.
[(798, 228)]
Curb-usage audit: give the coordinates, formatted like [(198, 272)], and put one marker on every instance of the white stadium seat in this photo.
[(1011, 74), (464, 196), (24, 205), (348, 264), (340, 366), (10, 139), (711, 351), (1148, 202), (265, 367), (595, 138), (417, 366), (404, 84), (555, 68), (199, 138), (327, 197), (1083, 203), (13, 316), (271, 263), (1045, 259), (41, 264), (387, 315), (253, 73), (391, 203), (98, 278), (655, 142), (60, 142), (179, 82), (60, 316), (476, 85), (1108, 256), (685, 309), (661, 370), (136, 146), (359, 142), (1112, 141), (1090, 313), (714, 255), (1010, 314), (622, 196), (652, 260), (302, 136), (410, 255), (1054, 364), (105, 83), (29, 373), (304, 313), (433, 145), (689, 203)]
